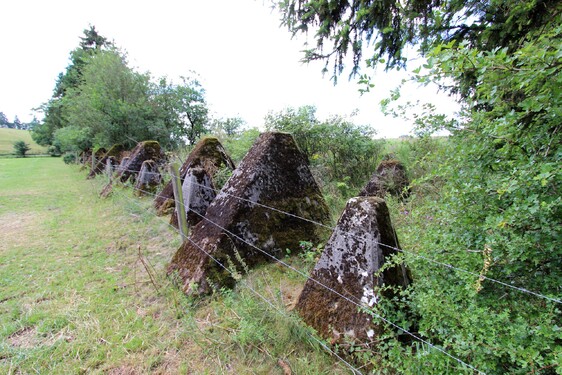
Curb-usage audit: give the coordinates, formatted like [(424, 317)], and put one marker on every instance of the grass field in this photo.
[(9, 136), (83, 290)]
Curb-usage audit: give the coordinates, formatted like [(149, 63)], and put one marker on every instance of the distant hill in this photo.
[(9, 136)]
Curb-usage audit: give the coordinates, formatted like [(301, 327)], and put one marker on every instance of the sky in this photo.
[(247, 63)]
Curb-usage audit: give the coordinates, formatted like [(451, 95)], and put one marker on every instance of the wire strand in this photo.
[(361, 306), (351, 367), (430, 260)]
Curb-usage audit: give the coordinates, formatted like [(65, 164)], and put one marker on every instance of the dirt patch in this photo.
[(27, 338), (24, 338), (123, 370), (15, 229)]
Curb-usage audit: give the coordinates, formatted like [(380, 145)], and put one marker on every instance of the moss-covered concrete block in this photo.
[(208, 154), (115, 152), (274, 173), (147, 150), (148, 179), (390, 177), (198, 194), (350, 266)]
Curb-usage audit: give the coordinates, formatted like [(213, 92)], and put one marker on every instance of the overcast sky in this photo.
[(245, 61)]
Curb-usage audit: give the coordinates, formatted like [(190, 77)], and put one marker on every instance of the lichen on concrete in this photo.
[(148, 179), (350, 267), (198, 193), (274, 173)]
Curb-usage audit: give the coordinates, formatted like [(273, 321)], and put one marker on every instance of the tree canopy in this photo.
[(103, 100), (384, 28)]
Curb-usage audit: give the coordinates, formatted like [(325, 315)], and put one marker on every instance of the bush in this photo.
[(69, 158), (20, 148), (337, 148), (54, 151)]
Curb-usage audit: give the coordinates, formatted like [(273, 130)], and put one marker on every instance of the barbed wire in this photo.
[(358, 304), (220, 264), (430, 260)]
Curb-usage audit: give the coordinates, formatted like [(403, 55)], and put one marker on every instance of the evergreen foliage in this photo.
[(21, 148)]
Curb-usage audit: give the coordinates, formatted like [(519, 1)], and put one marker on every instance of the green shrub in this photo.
[(54, 151), (20, 148), (69, 158)]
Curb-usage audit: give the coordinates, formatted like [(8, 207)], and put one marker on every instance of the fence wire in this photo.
[(427, 259), (357, 302), (246, 285)]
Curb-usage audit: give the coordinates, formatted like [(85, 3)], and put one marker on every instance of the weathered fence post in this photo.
[(178, 196), (109, 168)]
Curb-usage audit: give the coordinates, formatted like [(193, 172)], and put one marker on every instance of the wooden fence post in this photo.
[(178, 197), (109, 169)]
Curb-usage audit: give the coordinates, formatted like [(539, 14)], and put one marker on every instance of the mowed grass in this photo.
[(83, 290), (9, 136)]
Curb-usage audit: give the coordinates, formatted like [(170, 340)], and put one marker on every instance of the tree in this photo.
[(73, 139), (116, 105), (112, 102), (3, 120), (91, 43), (183, 108), (92, 40), (33, 124), (17, 123), (21, 148), (387, 27), (230, 126)]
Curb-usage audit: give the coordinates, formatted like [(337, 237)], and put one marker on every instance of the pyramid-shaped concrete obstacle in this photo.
[(390, 177), (208, 154), (147, 150), (115, 151), (274, 173), (349, 266), (149, 178)]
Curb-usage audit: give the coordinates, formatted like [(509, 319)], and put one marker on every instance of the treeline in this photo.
[(17, 124), (100, 101)]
